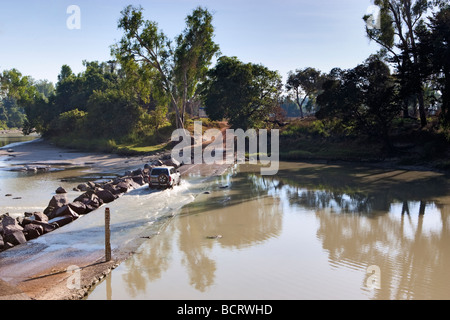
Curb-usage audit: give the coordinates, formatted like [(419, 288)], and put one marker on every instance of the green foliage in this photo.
[(16, 93), (307, 82), (362, 98), (244, 94), (69, 122), (177, 71), (112, 113), (434, 51)]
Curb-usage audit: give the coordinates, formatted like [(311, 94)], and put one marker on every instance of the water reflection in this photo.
[(312, 231)]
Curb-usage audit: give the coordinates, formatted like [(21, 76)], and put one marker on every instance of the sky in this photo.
[(282, 35)]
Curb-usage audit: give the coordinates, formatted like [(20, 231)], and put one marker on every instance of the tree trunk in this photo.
[(405, 110), (300, 104), (422, 113)]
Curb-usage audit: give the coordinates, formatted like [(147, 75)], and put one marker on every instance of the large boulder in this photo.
[(64, 211), (60, 190), (105, 196), (39, 216), (113, 189), (90, 199), (55, 203), (83, 187), (47, 227), (12, 231), (15, 238), (139, 179), (33, 231), (10, 224), (79, 207), (63, 220), (123, 186)]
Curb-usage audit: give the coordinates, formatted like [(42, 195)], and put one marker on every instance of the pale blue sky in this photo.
[(281, 34)]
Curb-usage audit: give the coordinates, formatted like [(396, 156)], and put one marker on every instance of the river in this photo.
[(313, 231)]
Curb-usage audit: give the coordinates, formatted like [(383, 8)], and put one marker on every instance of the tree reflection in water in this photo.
[(397, 220)]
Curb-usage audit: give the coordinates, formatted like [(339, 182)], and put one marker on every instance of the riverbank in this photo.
[(39, 269), (11, 131), (411, 147)]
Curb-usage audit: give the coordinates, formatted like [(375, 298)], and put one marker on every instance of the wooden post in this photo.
[(107, 235)]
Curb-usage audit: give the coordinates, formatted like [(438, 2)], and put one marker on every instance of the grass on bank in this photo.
[(133, 144), (310, 139)]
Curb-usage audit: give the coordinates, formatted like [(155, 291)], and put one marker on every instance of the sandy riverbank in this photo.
[(48, 280)]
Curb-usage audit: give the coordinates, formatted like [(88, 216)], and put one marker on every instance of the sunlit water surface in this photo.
[(310, 232)]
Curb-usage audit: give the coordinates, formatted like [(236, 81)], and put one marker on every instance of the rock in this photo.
[(39, 216), (58, 201), (218, 236), (47, 227), (139, 180), (10, 224), (23, 221), (33, 231), (15, 237), (83, 187), (173, 163), (79, 207), (106, 196), (63, 211), (137, 172), (90, 199), (123, 187), (48, 210), (7, 245), (113, 189), (60, 190), (62, 221)]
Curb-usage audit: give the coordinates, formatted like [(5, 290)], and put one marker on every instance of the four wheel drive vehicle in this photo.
[(164, 177)]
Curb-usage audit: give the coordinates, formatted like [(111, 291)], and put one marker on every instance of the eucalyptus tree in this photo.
[(362, 98), (306, 83), (396, 33), (179, 69), (17, 92), (434, 51), (245, 94)]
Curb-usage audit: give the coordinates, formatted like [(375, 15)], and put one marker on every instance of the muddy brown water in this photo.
[(312, 231)]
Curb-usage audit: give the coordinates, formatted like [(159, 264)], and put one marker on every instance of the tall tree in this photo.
[(435, 56), (179, 69), (244, 93), (362, 98), (16, 93), (307, 82), (399, 20)]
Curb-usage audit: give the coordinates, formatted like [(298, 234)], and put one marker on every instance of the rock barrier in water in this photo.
[(60, 211)]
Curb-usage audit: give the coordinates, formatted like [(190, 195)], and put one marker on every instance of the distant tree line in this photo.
[(407, 78), (152, 82)]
